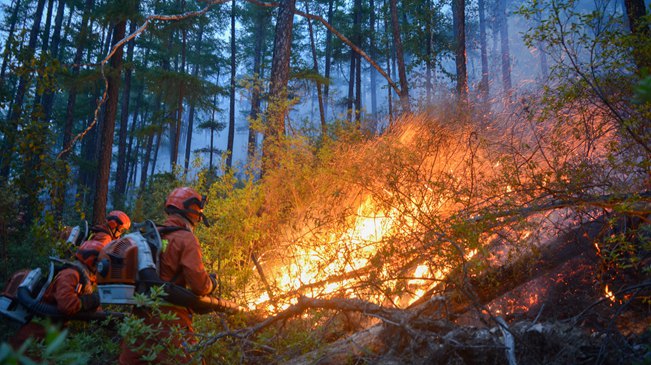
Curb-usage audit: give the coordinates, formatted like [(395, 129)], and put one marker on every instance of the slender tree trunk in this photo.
[(195, 73), (72, 94), (212, 135), (315, 68), (328, 56), (459, 25), (373, 55), (389, 89), (45, 37), (483, 84), (404, 85), (506, 54), (150, 143), (45, 42), (121, 169), (277, 108), (351, 87), (181, 96), (231, 113), (106, 149), (256, 100), (48, 99), (429, 57), (17, 107), (636, 11), (358, 64), (154, 160), (10, 37)]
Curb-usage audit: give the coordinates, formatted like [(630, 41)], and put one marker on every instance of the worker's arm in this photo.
[(194, 272)]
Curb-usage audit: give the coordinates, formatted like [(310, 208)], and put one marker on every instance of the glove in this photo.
[(89, 302), (213, 280)]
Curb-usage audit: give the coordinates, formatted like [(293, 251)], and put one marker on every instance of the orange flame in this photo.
[(609, 294)]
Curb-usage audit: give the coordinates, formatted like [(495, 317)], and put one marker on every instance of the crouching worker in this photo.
[(180, 263), (71, 292)]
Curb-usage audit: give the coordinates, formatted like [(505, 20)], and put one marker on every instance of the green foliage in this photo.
[(57, 347)]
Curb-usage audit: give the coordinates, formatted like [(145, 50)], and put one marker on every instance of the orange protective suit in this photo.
[(64, 292), (181, 263), (101, 234)]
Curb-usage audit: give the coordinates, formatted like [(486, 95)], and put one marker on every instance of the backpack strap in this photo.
[(169, 229), (162, 230)]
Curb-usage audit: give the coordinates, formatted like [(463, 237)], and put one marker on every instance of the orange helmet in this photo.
[(88, 253), (187, 202), (118, 222)]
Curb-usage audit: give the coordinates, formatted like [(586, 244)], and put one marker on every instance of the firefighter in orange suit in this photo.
[(117, 222), (71, 290), (180, 263)]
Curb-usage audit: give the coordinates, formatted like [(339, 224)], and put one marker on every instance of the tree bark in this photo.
[(459, 25), (48, 99), (195, 73), (121, 169), (402, 73), (278, 108), (181, 95), (483, 84), (372, 53), (256, 100), (106, 143), (328, 56), (10, 35), (358, 63), (636, 11), (506, 53), (17, 107), (315, 68), (231, 113)]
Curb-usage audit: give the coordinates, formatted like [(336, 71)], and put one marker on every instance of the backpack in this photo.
[(21, 298), (131, 264)]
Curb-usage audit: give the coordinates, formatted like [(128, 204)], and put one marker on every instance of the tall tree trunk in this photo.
[(121, 169), (212, 136), (636, 11), (181, 96), (45, 37), (315, 68), (195, 73), (48, 99), (231, 112), (506, 54), (72, 94), (459, 25), (404, 85), (10, 36), (429, 57), (483, 84), (154, 160), (277, 108), (328, 56), (358, 63), (45, 42), (351, 87), (389, 89), (256, 100), (106, 149), (150, 144), (17, 107), (373, 55)]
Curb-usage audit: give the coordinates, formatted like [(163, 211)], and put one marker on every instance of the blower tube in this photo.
[(183, 297), (46, 310)]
